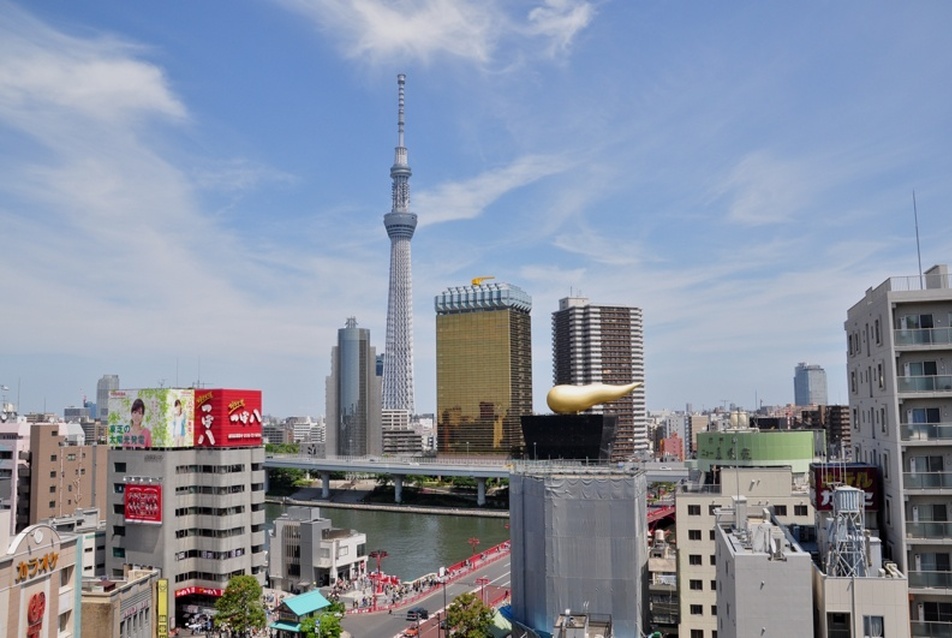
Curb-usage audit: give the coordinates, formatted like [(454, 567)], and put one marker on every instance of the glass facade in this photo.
[(483, 370)]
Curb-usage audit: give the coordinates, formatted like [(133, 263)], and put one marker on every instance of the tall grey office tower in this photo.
[(106, 383), (353, 395), (400, 224), (809, 385), (604, 344)]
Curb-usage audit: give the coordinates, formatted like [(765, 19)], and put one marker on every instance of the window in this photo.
[(697, 610), (53, 474), (879, 336), (885, 465), (713, 585), (801, 510), (52, 489), (713, 559), (694, 534), (712, 508), (120, 468), (713, 610), (52, 458), (780, 510), (937, 612), (697, 585), (695, 559), (694, 510), (52, 504), (118, 552), (873, 627), (713, 534), (697, 633)]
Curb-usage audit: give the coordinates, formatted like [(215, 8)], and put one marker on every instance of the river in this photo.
[(416, 544)]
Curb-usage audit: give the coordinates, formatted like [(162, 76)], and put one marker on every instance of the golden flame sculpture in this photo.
[(569, 399)]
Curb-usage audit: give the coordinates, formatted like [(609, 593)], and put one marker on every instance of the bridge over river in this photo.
[(478, 468)]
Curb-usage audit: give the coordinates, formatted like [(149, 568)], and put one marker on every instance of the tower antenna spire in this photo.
[(401, 82), (400, 224)]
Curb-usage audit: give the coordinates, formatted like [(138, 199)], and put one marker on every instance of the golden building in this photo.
[(483, 367)]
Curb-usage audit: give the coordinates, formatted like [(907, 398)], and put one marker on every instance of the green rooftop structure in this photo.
[(760, 448)]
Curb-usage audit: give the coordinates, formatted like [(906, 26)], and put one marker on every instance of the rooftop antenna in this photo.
[(915, 213)]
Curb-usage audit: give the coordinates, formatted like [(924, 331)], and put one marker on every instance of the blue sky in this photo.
[(196, 190)]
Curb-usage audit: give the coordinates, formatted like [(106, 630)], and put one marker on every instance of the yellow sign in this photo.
[(34, 567), (162, 608)]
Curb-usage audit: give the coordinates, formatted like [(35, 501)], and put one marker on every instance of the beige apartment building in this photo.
[(778, 488), (899, 365)]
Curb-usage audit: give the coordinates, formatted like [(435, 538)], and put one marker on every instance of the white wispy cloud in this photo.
[(764, 189), (469, 30), (467, 199), (560, 21)]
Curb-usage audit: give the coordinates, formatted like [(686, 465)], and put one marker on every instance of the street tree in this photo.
[(468, 617), (240, 609), (324, 625)]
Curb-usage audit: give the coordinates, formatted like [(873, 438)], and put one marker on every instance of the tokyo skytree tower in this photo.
[(400, 224)]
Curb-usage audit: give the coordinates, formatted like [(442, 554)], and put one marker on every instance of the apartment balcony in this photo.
[(930, 580), (940, 531), (923, 384), (926, 629), (916, 339), (927, 480), (925, 432)]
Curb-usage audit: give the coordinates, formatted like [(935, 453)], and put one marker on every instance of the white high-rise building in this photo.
[(604, 344), (899, 364), (809, 385), (104, 386)]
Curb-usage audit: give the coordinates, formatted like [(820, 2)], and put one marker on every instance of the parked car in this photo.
[(417, 613)]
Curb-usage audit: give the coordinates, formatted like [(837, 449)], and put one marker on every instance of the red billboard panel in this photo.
[(824, 477), (227, 418), (143, 503)]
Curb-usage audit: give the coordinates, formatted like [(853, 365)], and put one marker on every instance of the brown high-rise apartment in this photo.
[(604, 344)]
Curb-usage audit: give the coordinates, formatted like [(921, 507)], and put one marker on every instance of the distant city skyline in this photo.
[(178, 206)]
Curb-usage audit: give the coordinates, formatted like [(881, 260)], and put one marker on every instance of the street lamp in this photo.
[(482, 582), (535, 450), (443, 618), (474, 543)]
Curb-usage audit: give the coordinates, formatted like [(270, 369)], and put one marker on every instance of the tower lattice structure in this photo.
[(400, 224)]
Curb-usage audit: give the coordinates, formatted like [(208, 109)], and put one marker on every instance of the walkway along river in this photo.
[(417, 540)]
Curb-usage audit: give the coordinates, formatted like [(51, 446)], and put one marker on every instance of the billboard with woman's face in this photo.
[(156, 417), (184, 417)]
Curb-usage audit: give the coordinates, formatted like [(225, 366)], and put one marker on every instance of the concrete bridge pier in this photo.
[(480, 491), (325, 484), (398, 488)]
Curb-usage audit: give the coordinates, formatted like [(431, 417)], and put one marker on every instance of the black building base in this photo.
[(576, 437)]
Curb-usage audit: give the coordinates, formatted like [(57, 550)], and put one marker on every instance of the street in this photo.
[(384, 625)]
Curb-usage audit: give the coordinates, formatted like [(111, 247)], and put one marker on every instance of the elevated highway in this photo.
[(479, 468)]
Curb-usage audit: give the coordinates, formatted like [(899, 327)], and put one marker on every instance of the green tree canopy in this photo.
[(240, 609), (325, 625), (468, 617)]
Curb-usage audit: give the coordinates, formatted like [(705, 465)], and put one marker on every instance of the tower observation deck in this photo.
[(400, 224)]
